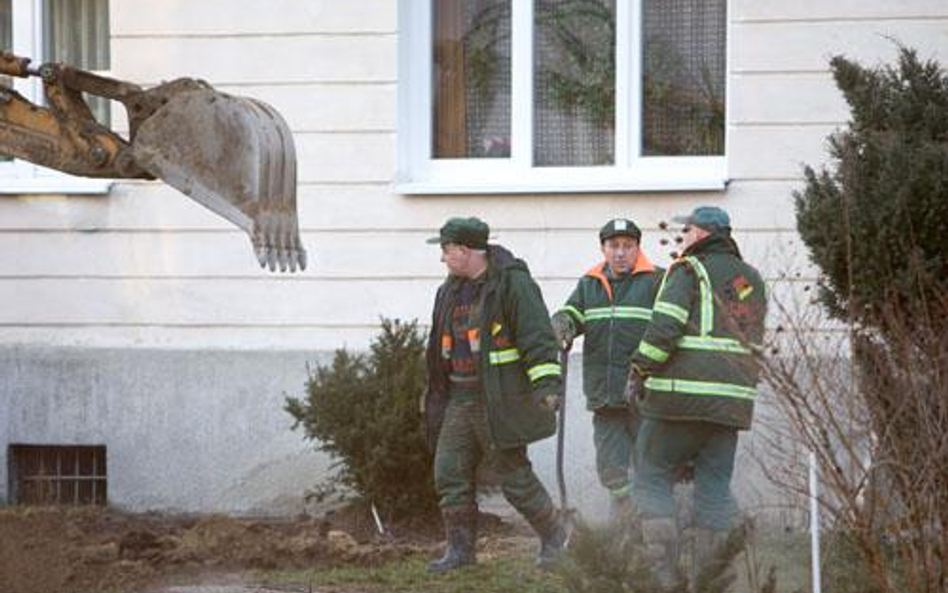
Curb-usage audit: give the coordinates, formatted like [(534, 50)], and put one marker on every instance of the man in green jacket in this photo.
[(494, 383), (611, 306), (695, 377)]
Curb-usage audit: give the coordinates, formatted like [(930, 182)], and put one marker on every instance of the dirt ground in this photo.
[(54, 550)]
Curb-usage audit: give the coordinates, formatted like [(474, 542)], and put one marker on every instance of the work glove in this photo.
[(552, 401), (549, 398), (564, 330), (634, 387)]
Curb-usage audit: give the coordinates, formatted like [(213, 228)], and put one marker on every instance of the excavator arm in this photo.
[(232, 154)]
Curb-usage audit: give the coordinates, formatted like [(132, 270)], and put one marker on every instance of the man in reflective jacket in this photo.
[(494, 382), (611, 306), (695, 377)]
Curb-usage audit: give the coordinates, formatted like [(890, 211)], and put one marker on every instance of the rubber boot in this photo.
[(554, 534), (460, 529), (708, 546), (661, 548)]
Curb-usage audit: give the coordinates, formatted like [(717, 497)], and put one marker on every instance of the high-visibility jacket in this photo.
[(698, 352), (612, 314), (516, 351)]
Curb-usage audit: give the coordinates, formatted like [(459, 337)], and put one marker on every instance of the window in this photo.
[(6, 41), (75, 32), (55, 474), (561, 95)]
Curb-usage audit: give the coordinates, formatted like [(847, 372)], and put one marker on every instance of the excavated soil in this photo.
[(79, 550)]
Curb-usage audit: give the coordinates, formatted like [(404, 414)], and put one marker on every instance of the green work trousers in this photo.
[(662, 446), (614, 431), (463, 444)]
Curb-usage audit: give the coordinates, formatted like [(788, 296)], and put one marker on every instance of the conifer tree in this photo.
[(364, 410)]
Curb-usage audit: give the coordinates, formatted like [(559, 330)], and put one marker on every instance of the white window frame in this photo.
[(419, 173), (19, 176)]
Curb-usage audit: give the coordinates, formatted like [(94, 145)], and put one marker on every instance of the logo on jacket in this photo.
[(742, 287)]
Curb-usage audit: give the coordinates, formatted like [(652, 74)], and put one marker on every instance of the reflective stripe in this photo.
[(600, 313), (504, 356), (622, 492), (707, 299), (656, 354), (544, 370), (712, 344), (701, 388), (673, 311), (642, 313), (576, 313)]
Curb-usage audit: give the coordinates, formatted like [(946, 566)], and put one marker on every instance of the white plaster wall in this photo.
[(146, 267)]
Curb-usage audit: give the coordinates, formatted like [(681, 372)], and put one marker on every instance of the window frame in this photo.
[(19, 177), (418, 173)]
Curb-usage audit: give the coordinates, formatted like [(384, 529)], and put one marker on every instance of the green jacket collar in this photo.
[(499, 260), (718, 242)]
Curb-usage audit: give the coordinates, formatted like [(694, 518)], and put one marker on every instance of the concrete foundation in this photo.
[(205, 431)]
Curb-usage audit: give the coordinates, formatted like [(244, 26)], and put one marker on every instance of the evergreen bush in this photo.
[(364, 410), (876, 220)]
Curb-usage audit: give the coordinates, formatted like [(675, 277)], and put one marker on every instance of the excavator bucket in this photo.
[(235, 156)]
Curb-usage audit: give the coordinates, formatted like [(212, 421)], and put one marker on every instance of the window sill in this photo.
[(53, 185), (466, 177)]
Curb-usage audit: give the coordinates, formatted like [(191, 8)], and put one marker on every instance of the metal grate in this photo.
[(57, 474)]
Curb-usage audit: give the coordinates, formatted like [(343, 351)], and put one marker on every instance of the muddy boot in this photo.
[(554, 532), (661, 548), (460, 528), (707, 562)]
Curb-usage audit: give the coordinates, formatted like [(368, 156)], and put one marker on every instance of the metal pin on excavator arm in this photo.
[(234, 155)]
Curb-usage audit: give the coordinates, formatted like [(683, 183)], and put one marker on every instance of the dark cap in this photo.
[(471, 232), (709, 218), (619, 227)]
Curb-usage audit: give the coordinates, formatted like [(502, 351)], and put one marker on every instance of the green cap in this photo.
[(471, 232), (709, 218), (619, 227)]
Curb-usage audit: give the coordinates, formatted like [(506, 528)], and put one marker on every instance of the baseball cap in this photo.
[(619, 227), (709, 218), (471, 232)]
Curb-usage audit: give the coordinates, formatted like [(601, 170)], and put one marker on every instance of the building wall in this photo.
[(129, 286)]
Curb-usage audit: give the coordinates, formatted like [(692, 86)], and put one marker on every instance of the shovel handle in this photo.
[(561, 430)]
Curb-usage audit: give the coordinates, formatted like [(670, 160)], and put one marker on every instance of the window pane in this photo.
[(684, 68), (574, 82), (76, 32), (471, 79)]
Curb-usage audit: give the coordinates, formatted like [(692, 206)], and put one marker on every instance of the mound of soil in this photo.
[(52, 550)]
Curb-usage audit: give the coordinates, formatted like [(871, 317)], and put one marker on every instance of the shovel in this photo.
[(568, 513)]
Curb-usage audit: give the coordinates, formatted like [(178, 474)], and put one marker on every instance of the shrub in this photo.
[(613, 560), (876, 223), (364, 410)]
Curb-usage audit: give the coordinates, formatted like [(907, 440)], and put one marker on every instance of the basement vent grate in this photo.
[(57, 474)]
